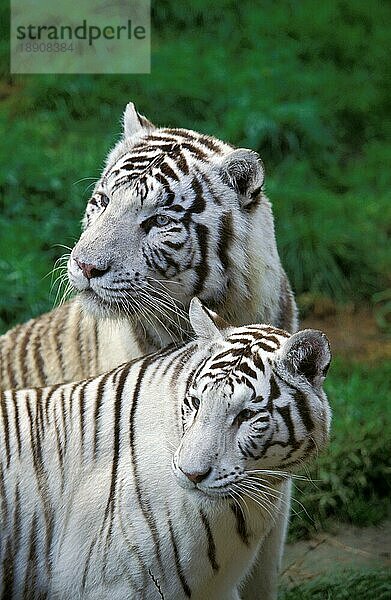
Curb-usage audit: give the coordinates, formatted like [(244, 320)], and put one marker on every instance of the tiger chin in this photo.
[(165, 476)]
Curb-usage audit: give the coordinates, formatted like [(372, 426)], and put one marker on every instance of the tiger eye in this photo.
[(104, 200), (244, 415), (195, 402)]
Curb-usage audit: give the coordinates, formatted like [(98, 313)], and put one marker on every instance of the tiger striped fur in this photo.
[(161, 478), (175, 214)]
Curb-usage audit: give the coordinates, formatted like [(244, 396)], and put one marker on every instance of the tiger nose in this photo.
[(91, 271), (197, 477)]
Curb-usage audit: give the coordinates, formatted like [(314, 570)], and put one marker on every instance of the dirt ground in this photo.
[(347, 548), (353, 334)]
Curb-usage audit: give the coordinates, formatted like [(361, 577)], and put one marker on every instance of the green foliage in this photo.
[(352, 477), (305, 86), (346, 585)]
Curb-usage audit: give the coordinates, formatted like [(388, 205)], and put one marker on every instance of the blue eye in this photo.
[(162, 220), (104, 200), (244, 415), (195, 402), (155, 221)]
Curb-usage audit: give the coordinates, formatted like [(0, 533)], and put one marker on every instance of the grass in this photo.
[(348, 585), (308, 89), (352, 477)]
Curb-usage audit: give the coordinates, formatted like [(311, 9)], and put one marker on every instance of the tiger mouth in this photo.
[(112, 305)]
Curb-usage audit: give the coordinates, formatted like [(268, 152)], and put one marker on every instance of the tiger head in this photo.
[(176, 214), (254, 408)]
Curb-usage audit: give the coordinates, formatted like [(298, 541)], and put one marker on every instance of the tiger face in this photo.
[(168, 220), (256, 406)]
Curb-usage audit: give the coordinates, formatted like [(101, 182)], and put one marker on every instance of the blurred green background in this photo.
[(307, 85)]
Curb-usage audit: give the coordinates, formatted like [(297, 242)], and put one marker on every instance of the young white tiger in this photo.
[(163, 477), (175, 214)]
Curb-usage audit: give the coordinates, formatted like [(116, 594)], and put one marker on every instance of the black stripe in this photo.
[(225, 238), (87, 565), (59, 330), (211, 543), (285, 413), (116, 442), (82, 408), (98, 403), (4, 415), (168, 172), (16, 420), (23, 355), (265, 347), (181, 163), (258, 362), (7, 570), (185, 585), (275, 391), (3, 495), (195, 150), (143, 502), (304, 410), (245, 368), (31, 568), (198, 204), (58, 442), (174, 245), (210, 144), (241, 526), (50, 393), (37, 357), (202, 269)]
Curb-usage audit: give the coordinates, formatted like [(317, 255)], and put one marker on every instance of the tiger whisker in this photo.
[(62, 246), (243, 500), (252, 497), (236, 497), (267, 494), (170, 307), (282, 474), (163, 314), (269, 490), (169, 300), (130, 305)]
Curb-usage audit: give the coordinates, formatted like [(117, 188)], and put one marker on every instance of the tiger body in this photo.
[(127, 485), (135, 274)]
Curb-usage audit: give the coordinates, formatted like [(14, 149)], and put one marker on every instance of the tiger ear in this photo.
[(206, 323), (243, 171), (306, 354), (133, 122)]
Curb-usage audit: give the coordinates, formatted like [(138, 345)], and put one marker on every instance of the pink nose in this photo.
[(197, 477), (90, 271)]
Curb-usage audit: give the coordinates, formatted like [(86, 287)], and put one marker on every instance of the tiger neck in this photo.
[(123, 339)]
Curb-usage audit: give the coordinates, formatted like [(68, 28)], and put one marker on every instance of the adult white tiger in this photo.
[(89, 504), (174, 214)]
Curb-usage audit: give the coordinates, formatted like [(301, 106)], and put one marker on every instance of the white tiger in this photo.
[(163, 477), (175, 214)]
